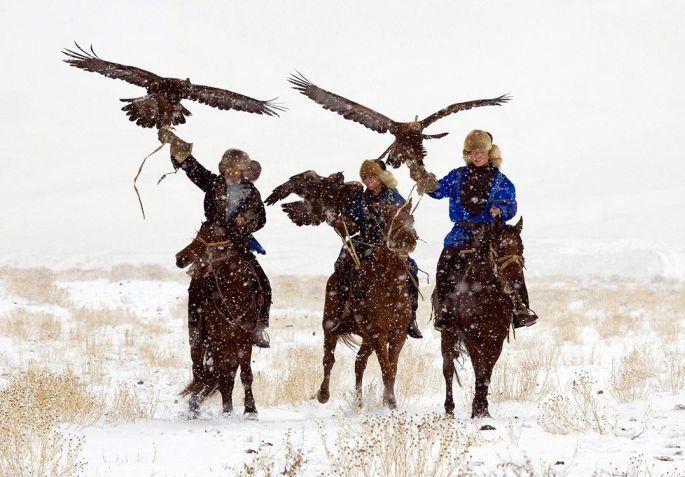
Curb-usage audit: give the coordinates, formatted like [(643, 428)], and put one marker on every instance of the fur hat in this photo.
[(478, 140), (371, 167), (240, 160)]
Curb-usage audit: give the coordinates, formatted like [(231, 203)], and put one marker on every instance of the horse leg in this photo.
[(329, 343), (363, 354), (448, 370), (203, 379), (484, 353), (380, 346), (394, 348), (226, 365), (245, 357)]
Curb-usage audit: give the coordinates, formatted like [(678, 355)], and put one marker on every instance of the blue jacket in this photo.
[(370, 222), (502, 196), (367, 218)]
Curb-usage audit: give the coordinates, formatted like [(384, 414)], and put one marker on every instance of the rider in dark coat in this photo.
[(233, 203), (479, 194), (366, 219)]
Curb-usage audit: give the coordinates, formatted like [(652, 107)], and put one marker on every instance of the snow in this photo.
[(593, 140)]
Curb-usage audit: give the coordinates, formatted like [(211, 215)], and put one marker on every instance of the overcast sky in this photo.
[(593, 138)]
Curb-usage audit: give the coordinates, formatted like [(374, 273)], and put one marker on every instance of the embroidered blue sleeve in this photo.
[(505, 199), (445, 186)]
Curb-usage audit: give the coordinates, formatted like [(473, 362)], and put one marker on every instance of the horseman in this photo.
[(233, 206), (479, 194), (367, 225)]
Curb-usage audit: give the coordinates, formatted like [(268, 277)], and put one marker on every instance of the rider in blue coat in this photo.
[(478, 194)]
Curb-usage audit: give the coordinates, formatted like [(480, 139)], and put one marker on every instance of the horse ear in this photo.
[(519, 225)]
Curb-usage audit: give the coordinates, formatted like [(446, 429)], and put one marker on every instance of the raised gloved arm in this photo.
[(180, 150)]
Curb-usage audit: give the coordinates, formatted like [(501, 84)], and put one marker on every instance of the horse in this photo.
[(224, 292), (482, 310), (378, 306)]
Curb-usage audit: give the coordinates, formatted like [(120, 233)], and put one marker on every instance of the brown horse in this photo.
[(482, 310), (224, 292), (378, 307)]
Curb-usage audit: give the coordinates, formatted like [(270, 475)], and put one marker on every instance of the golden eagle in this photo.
[(162, 104), (323, 197), (408, 145)]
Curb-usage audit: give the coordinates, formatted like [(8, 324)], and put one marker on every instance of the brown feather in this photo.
[(456, 107), (162, 104), (343, 106)]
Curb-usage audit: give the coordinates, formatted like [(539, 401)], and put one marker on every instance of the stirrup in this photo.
[(524, 318), (261, 339)]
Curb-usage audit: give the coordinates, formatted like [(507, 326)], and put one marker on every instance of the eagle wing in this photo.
[(224, 99), (321, 196), (343, 106), (90, 61), (456, 107)]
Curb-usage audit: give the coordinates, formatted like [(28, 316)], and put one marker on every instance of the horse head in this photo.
[(507, 248), (400, 234), (206, 236)]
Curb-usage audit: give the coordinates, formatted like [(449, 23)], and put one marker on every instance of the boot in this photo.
[(260, 338), (414, 331), (524, 316)]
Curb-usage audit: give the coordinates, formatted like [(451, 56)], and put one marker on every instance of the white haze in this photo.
[(593, 138)]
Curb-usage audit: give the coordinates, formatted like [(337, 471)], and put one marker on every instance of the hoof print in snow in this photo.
[(251, 416), (560, 462), (679, 407), (664, 458), (250, 451), (487, 427)]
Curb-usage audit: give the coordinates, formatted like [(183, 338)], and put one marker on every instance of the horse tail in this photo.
[(349, 340), (204, 387)]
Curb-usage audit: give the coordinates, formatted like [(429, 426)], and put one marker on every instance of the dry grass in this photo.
[(126, 405), (36, 285), (631, 378), (33, 406), (581, 409), (91, 319), (673, 378), (125, 271), (520, 382), (296, 383), (155, 358), (400, 445)]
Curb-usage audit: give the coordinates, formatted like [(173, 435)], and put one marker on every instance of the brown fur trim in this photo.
[(478, 140)]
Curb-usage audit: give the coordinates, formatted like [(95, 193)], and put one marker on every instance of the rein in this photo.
[(213, 272), (506, 260)]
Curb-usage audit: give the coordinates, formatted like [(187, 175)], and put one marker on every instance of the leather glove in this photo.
[(180, 150)]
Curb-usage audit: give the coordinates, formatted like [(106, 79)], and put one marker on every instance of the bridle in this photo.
[(209, 260)]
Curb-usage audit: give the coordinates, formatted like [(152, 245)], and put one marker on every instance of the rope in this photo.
[(135, 179), (347, 241)]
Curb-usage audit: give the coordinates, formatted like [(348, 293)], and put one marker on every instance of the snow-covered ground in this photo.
[(617, 337), (593, 140)]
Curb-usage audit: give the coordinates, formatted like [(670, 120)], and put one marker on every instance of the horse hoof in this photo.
[(322, 397), (251, 416), (487, 427)]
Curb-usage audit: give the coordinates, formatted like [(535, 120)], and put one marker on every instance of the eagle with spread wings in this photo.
[(323, 197), (162, 104), (408, 146)]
